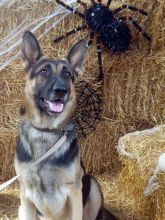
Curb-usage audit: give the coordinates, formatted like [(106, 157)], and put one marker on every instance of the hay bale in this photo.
[(9, 203), (124, 193), (133, 95)]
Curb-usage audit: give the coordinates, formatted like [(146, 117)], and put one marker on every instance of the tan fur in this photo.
[(67, 196), (94, 201), (68, 201), (46, 121), (53, 187)]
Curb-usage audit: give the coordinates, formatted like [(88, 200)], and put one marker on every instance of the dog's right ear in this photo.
[(31, 51), (77, 54)]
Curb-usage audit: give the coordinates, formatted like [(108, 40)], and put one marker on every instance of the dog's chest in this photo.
[(46, 177), (50, 191), (48, 172), (49, 184)]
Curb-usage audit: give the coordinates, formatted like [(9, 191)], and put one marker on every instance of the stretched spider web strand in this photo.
[(3, 2), (11, 35), (10, 57), (14, 57), (42, 22), (9, 61), (45, 19)]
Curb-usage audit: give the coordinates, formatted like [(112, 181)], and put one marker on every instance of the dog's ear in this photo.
[(77, 54), (31, 51)]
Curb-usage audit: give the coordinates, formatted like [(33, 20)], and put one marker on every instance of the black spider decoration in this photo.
[(112, 31)]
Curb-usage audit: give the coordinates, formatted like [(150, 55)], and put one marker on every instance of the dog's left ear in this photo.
[(77, 54), (31, 51)]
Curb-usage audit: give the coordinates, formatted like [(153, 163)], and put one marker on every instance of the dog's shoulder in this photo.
[(22, 153), (68, 156)]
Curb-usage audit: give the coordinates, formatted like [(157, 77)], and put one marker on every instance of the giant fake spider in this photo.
[(111, 30)]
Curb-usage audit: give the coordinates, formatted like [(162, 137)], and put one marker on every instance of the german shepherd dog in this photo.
[(57, 188)]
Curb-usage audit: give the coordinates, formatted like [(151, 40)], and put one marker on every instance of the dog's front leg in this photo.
[(27, 210), (76, 205)]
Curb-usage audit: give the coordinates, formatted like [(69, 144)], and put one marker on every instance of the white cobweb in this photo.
[(152, 183), (10, 43)]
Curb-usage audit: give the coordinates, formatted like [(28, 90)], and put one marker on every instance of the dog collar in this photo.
[(67, 128)]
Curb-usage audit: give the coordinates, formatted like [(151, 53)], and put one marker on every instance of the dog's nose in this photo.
[(60, 92)]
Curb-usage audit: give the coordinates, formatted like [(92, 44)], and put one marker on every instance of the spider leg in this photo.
[(90, 41), (109, 3), (67, 34), (137, 26), (82, 3), (99, 55), (74, 11), (93, 2), (101, 75), (131, 8)]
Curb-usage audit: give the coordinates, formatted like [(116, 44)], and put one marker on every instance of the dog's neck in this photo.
[(65, 129), (38, 141)]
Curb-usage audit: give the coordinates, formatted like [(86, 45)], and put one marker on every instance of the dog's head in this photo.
[(50, 90)]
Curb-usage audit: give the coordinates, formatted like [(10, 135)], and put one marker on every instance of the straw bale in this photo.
[(9, 203), (133, 86), (124, 193)]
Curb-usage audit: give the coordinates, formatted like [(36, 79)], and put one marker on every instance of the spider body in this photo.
[(97, 16), (109, 28), (114, 33)]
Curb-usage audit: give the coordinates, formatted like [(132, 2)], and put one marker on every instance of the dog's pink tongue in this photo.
[(56, 106)]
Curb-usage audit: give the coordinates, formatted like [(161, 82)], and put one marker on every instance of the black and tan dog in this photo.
[(57, 188)]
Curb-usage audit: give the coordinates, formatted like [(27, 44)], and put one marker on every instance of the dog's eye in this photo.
[(44, 72), (67, 74)]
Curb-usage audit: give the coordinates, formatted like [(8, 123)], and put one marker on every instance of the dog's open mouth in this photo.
[(55, 106)]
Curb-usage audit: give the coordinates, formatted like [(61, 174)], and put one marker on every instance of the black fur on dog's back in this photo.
[(103, 213)]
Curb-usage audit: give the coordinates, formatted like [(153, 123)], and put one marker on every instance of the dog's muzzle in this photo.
[(56, 101)]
